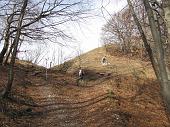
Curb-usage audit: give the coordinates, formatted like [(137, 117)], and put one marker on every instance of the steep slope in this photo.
[(121, 65), (123, 93)]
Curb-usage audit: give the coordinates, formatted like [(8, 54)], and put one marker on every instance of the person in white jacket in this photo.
[(81, 74)]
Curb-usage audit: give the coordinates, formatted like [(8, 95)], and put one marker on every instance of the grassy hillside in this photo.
[(116, 64), (123, 93)]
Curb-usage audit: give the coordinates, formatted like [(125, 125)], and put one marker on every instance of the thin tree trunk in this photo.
[(3, 52), (166, 7), (7, 36), (146, 44), (165, 85), (16, 41), (6, 45), (8, 54)]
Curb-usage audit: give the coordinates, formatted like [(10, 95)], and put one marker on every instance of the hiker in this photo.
[(81, 74), (104, 61)]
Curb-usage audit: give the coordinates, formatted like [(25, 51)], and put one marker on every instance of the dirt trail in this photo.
[(104, 99), (89, 105), (66, 105)]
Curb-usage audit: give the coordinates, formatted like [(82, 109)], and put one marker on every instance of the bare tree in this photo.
[(16, 41), (35, 55), (42, 20), (10, 19), (156, 54), (36, 21), (121, 30)]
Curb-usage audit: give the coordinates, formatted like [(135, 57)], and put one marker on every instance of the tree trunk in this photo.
[(166, 7), (16, 41), (146, 44), (8, 54), (7, 36), (3, 52), (6, 44), (165, 86), (166, 92)]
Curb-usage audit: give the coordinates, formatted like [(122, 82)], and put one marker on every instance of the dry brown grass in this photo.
[(124, 93)]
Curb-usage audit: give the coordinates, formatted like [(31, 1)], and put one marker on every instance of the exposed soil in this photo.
[(102, 99)]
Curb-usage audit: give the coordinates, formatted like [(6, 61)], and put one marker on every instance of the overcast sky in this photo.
[(89, 33), (86, 33)]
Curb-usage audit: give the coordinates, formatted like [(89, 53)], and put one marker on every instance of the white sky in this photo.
[(90, 32), (87, 33)]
